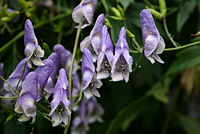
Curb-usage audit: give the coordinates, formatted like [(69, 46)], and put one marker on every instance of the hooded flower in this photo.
[(60, 104), (90, 83), (153, 42), (65, 58), (104, 60), (15, 77), (122, 61), (89, 112), (48, 89), (84, 12), (93, 41), (32, 50), (26, 103), (43, 73)]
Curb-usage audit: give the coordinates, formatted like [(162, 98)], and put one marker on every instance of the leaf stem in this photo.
[(20, 34), (23, 71), (70, 75), (9, 85), (79, 99), (2, 97), (168, 34)]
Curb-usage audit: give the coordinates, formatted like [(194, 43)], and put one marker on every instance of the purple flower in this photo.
[(122, 61), (90, 83), (84, 12), (43, 73), (48, 89), (153, 42), (65, 58), (26, 103), (15, 77), (93, 41), (33, 51), (104, 60), (60, 111), (89, 112)]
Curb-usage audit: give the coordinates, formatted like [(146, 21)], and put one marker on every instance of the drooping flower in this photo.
[(33, 51), (48, 89), (153, 43), (26, 103), (93, 41), (84, 12), (60, 111), (90, 83), (104, 60), (89, 111), (43, 73), (122, 61), (65, 58), (14, 78)]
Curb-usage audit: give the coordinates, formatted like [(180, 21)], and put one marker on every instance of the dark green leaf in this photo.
[(190, 125), (185, 59), (185, 10), (125, 3)]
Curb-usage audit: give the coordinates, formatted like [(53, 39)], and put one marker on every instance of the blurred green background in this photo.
[(158, 99)]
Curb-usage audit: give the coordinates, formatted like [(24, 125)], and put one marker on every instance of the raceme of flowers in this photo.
[(35, 79)]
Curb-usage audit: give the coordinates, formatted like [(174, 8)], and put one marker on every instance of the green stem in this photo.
[(176, 48), (79, 99), (181, 47), (23, 71), (168, 34), (138, 48), (70, 75), (9, 85), (170, 112), (2, 97), (137, 64), (20, 34)]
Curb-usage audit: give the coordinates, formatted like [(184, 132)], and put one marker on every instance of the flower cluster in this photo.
[(35, 78)]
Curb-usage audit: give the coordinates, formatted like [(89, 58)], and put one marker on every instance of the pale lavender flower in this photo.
[(90, 83), (153, 42), (89, 111), (48, 89), (26, 103), (60, 111), (122, 61), (84, 12), (65, 58), (33, 51), (104, 60), (14, 78), (93, 41), (43, 73)]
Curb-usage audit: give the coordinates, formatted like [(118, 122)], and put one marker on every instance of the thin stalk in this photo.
[(9, 85), (78, 100), (138, 62), (70, 75), (137, 45), (20, 34), (168, 34), (23, 71), (2, 97)]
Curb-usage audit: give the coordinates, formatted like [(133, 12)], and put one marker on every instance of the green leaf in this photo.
[(185, 59), (47, 50), (185, 10), (160, 90), (127, 115), (190, 125), (125, 3)]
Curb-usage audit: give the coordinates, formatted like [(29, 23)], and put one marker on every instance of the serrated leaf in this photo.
[(185, 10), (126, 116), (185, 59), (190, 125), (160, 90)]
